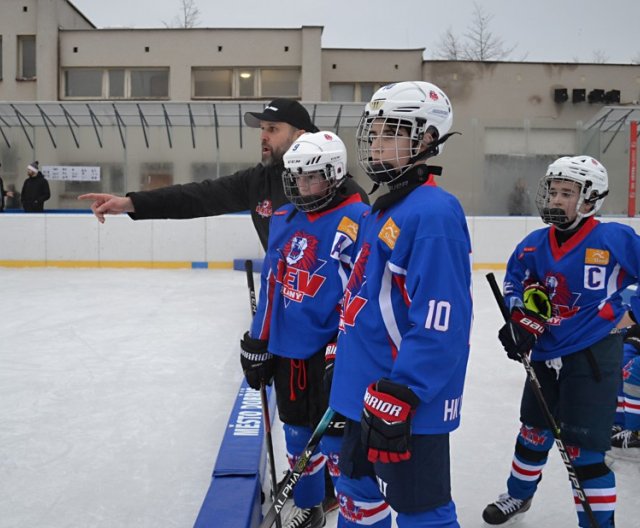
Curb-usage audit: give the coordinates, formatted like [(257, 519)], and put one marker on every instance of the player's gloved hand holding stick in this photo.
[(257, 362), (386, 421), (526, 323)]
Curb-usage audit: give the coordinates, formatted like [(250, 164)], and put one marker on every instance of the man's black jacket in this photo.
[(258, 190)]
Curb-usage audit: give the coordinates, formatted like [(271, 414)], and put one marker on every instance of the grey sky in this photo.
[(546, 30)]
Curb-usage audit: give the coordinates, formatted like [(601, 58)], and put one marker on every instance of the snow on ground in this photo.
[(115, 388)]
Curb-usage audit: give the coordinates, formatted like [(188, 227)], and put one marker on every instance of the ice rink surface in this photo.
[(116, 385)]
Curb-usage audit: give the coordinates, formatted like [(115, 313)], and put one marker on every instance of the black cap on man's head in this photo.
[(282, 111)]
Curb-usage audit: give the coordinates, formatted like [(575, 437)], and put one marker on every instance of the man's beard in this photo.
[(273, 157)]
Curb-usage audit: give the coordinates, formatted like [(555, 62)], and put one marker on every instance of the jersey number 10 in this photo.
[(438, 316)]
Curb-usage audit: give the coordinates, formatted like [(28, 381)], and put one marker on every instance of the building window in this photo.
[(367, 90), (116, 83), (212, 83), (280, 83), (26, 56), (0, 57), (343, 92), (203, 171), (245, 83), (152, 84), (155, 176), (353, 92), (83, 82)]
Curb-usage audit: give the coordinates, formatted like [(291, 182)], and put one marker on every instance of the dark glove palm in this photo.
[(386, 421), (520, 333), (257, 362)]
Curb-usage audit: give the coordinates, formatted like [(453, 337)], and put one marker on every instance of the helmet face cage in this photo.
[(312, 202), (316, 154), (399, 152), (396, 112), (593, 186)]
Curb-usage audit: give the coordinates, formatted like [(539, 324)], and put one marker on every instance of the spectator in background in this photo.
[(35, 190), (3, 193), (519, 203)]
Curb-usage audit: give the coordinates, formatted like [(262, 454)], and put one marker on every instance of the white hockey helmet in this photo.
[(415, 106), (589, 174), (320, 152)]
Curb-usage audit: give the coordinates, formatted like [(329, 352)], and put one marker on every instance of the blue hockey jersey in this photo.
[(305, 271), (584, 278), (407, 309)]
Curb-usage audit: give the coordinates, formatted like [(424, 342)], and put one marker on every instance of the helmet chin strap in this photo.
[(432, 148)]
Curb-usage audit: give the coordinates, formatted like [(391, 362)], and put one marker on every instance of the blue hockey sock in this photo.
[(442, 517), (530, 457), (631, 389), (361, 504), (330, 447), (599, 484), (309, 490)]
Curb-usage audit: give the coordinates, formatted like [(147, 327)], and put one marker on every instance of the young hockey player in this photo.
[(306, 268), (626, 431), (563, 286), (406, 315)]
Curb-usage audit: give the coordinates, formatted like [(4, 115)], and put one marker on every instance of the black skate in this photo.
[(626, 439), (306, 518), (505, 508), (615, 429)]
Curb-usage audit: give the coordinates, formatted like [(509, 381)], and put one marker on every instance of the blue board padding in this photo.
[(231, 502), (234, 496), (238, 265)]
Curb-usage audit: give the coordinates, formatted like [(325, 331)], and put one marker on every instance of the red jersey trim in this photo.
[(354, 198), (560, 251)]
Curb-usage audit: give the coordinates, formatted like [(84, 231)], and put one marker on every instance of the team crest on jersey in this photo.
[(298, 271), (264, 209), (352, 303), (563, 300), (294, 251)]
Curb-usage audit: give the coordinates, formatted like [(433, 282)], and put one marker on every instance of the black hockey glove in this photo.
[(386, 421), (257, 362), (521, 332)]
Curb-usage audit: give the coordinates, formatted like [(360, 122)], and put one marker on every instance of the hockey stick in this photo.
[(248, 266), (537, 391), (293, 475)]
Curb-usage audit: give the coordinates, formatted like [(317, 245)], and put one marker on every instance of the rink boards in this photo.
[(234, 496)]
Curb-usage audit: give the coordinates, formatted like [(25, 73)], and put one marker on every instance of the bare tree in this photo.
[(449, 47), (478, 43), (187, 17), (600, 57)]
